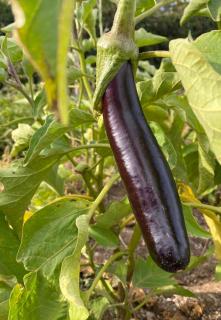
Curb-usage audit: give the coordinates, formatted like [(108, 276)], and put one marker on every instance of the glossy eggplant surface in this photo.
[(145, 172)]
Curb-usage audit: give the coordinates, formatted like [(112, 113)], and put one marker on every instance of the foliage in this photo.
[(56, 208)]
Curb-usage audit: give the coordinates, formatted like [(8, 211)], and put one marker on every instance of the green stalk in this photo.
[(102, 194), (102, 270), (135, 239), (21, 90), (100, 17), (154, 54), (151, 11), (204, 207), (85, 79), (123, 19)]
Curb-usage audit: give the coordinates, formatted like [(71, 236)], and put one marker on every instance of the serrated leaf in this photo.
[(70, 270), (20, 184), (144, 38), (49, 24), (148, 275), (50, 235), (38, 299), (202, 84)]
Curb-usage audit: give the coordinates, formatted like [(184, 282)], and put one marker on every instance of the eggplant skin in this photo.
[(146, 175)]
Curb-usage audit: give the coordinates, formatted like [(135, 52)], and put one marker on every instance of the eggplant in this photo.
[(145, 173)]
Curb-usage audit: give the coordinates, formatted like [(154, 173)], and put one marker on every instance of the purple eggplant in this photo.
[(146, 174)]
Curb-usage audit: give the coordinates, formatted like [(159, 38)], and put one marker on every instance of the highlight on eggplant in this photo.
[(146, 174)]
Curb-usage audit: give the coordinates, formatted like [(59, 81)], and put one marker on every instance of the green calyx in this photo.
[(115, 47)]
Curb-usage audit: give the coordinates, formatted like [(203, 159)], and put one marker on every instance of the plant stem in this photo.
[(152, 10), (85, 79), (102, 194), (21, 90), (146, 299), (154, 54), (100, 17), (102, 270), (73, 197), (88, 146), (123, 19), (131, 249), (24, 119), (203, 206), (105, 285)]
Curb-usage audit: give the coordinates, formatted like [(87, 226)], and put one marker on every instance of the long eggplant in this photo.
[(145, 172)]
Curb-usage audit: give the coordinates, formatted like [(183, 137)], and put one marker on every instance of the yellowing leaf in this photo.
[(199, 68), (212, 220), (27, 215)]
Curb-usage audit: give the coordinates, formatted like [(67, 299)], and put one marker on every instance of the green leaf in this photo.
[(202, 84), (55, 181), (38, 299), (143, 5), (43, 137), (6, 285), (79, 117), (11, 49), (206, 165), (218, 272), (21, 136), (192, 225), (103, 236), (174, 289), (148, 275), (85, 9), (3, 75), (20, 184), (114, 214), (49, 24), (144, 38), (119, 269), (193, 9), (214, 7), (90, 24), (155, 113), (9, 245), (165, 81), (165, 144), (4, 309), (50, 235), (70, 273), (97, 306)]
